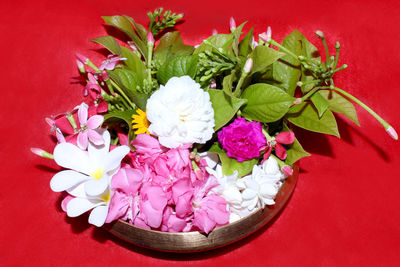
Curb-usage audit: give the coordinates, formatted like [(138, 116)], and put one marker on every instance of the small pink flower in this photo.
[(88, 129), (111, 62), (283, 138)]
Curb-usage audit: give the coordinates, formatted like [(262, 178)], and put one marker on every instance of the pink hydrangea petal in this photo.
[(147, 145), (95, 121), (203, 222), (118, 207), (285, 138), (83, 113), (83, 140), (280, 151), (127, 180)]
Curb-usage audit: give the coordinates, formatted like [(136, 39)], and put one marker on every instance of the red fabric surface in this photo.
[(345, 209)]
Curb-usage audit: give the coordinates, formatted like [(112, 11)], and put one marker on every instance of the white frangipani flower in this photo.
[(262, 185), (90, 170), (180, 113)]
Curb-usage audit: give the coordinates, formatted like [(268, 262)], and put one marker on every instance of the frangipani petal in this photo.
[(82, 140), (96, 187), (65, 180), (95, 137), (71, 157), (115, 156), (95, 121), (78, 206), (97, 153), (98, 216)]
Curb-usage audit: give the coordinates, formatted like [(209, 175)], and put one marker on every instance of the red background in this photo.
[(345, 210)]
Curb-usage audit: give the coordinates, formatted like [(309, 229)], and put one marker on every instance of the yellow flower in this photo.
[(140, 122)]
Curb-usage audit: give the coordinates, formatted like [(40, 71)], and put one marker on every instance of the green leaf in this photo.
[(340, 104), (266, 103), (141, 30), (320, 103), (116, 117), (245, 44), (287, 70), (109, 43), (123, 24), (229, 165), (219, 40), (225, 107), (227, 83), (177, 67), (306, 116), (171, 45), (134, 63), (127, 81), (294, 151), (236, 36), (263, 57)]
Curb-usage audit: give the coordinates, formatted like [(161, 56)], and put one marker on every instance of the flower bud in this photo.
[(248, 65), (232, 24), (150, 38), (81, 58), (81, 67), (392, 132), (214, 32), (320, 34), (287, 170), (337, 45), (40, 152), (266, 36)]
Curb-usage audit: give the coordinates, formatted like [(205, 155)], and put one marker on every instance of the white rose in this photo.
[(180, 113)]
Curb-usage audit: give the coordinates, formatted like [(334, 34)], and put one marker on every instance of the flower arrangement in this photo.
[(179, 138)]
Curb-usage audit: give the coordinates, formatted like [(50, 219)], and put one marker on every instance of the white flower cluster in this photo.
[(246, 195), (180, 113)]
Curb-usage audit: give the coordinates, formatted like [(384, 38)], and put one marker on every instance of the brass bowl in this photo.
[(220, 236)]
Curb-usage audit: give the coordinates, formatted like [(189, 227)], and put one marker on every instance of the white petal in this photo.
[(71, 157), (114, 158), (78, 206), (98, 216), (78, 191), (98, 153), (66, 179), (249, 194), (97, 187)]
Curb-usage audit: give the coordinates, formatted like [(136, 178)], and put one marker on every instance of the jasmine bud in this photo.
[(392, 132), (248, 65), (320, 34), (337, 45), (232, 24), (150, 38)]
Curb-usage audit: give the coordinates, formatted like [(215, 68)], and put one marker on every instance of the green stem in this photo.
[(238, 89), (364, 106), (71, 121), (284, 49), (150, 47), (90, 64), (123, 94), (110, 86), (326, 52), (265, 133), (312, 91), (337, 46)]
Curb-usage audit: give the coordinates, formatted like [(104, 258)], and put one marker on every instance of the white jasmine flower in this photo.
[(180, 113), (90, 171), (262, 185)]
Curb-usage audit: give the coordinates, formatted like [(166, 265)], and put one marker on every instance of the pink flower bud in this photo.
[(232, 24), (81, 67), (81, 58), (298, 101), (266, 36), (37, 151), (392, 132), (213, 84), (320, 34), (287, 170), (214, 32), (248, 65), (150, 38)]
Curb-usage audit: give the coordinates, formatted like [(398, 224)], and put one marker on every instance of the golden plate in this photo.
[(220, 236)]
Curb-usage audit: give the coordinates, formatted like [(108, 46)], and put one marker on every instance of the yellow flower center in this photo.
[(97, 174)]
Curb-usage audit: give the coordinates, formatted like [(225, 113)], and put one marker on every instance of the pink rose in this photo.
[(242, 140)]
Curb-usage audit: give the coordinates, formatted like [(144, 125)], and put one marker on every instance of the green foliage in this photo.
[(123, 23), (109, 43), (171, 45), (177, 67), (236, 36), (320, 103), (265, 102), (229, 165), (118, 117), (245, 45), (222, 41), (134, 63), (340, 104), (263, 57), (306, 116), (225, 107), (160, 20), (294, 151)]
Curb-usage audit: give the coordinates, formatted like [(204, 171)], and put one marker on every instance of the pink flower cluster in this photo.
[(164, 189)]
